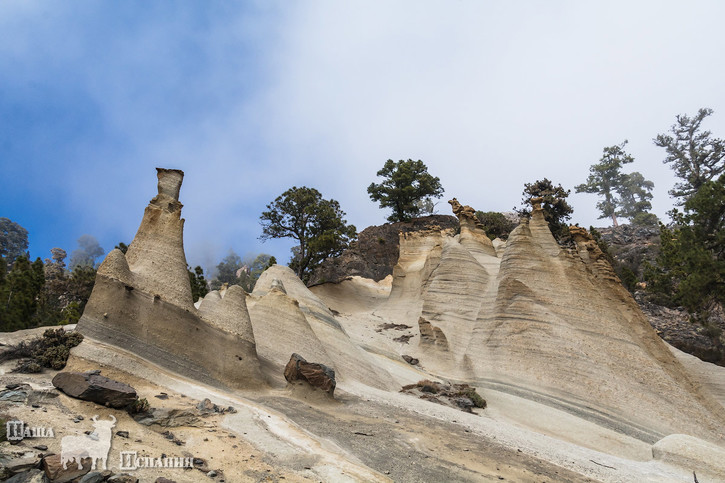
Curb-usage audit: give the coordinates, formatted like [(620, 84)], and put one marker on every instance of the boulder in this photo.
[(15, 396), (55, 472), (316, 375), (91, 386), (22, 463), (32, 476)]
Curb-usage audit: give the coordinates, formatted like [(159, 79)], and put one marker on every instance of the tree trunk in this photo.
[(614, 220)]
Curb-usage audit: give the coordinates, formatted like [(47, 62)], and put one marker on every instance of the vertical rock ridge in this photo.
[(156, 254), (141, 302)]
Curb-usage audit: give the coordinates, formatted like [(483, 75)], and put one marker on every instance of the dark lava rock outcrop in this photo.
[(376, 250)]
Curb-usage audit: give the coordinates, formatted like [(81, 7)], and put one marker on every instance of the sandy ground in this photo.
[(365, 434)]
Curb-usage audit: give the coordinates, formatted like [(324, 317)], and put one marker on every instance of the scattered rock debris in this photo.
[(403, 338), (460, 396), (389, 326)]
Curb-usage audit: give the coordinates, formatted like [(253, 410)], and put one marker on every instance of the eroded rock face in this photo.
[(142, 303), (473, 236), (682, 450), (316, 375), (546, 322), (288, 318), (591, 254), (156, 255), (466, 214)]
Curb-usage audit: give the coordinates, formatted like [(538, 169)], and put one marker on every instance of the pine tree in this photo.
[(199, 287), (635, 194), (554, 205), (407, 188), (694, 155), (317, 224), (19, 294), (625, 195)]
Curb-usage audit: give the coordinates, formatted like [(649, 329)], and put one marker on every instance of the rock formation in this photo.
[(142, 303), (528, 324), (287, 318), (543, 322)]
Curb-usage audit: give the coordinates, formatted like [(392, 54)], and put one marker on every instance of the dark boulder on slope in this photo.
[(316, 375), (91, 386)]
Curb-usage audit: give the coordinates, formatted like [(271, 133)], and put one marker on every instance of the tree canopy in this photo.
[(694, 155), (87, 252), (13, 241), (199, 287), (226, 270), (625, 195), (691, 266), (554, 205), (253, 269), (405, 188), (635, 194), (495, 224), (19, 292), (234, 270), (318, 225)]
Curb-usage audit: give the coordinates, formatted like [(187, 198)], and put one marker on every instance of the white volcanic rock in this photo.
[(228, 313), (572, 372), (543, 323), (298, 321), (141, 302), (281, 329), (156, 254), (706, 459)]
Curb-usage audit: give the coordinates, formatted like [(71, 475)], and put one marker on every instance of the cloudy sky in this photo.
[(251, 98)]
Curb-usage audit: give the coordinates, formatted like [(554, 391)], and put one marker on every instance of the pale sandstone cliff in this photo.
[(541, 322)]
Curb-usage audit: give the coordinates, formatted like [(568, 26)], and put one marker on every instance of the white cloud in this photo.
[(489, 95)]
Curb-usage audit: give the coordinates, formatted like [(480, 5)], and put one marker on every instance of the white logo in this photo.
[(17, 430), (95, 445), (130, 461)]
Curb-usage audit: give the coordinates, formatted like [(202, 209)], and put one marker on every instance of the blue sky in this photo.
[(251, 98)]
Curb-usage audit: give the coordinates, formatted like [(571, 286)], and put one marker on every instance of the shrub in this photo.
[(476, 399), (629, 278), (495, 224), (138, 406), (51, 350), (645, 219), (54, 357)]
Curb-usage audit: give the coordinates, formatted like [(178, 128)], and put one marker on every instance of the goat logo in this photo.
[(95, 445)]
